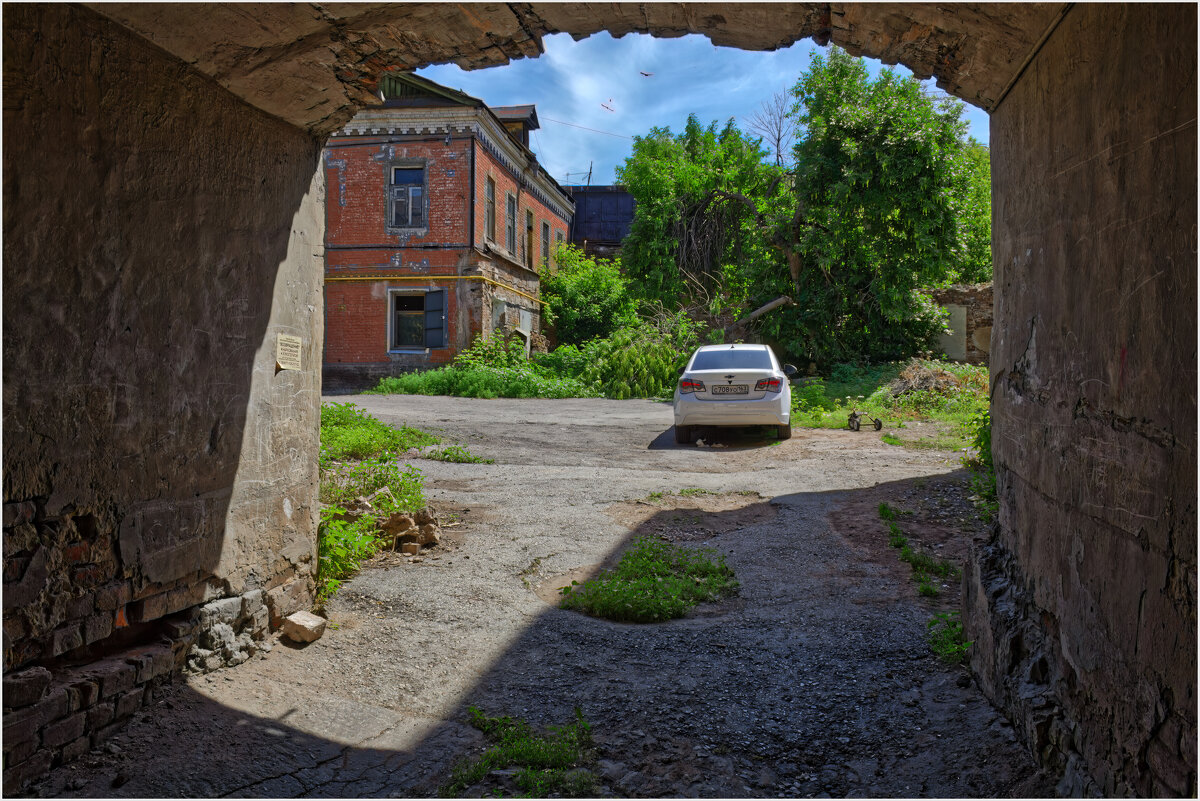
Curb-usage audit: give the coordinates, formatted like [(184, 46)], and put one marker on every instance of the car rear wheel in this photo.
[(784, 432), (684, 435)]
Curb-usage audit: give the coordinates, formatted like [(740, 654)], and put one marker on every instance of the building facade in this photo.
[(438, 217)]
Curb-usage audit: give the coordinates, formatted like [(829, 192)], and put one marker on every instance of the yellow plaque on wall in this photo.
[(287, 352)]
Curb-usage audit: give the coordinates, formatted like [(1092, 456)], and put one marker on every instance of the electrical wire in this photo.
[(593, 130)]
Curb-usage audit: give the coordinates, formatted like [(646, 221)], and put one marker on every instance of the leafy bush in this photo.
[(585, 298), (341, 548), (494, 351), (654, 581)]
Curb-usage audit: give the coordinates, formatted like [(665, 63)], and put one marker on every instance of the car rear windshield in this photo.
[(732, 360)]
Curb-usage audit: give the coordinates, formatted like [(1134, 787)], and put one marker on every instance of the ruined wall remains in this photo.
[(1082, 607), (970, 307), (159, 234)]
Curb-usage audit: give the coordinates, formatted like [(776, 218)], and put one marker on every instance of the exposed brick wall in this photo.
[(976, 300), (487, 166), (357, 350)]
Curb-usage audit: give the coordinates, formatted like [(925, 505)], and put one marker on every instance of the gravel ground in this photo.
[(814, 681)]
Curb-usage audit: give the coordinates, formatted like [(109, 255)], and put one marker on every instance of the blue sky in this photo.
[(579, 82)]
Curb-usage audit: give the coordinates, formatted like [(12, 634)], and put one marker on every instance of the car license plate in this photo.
[(731, 389)]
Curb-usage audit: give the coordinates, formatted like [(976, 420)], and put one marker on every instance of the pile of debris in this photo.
[(410, 532), (917, 376)]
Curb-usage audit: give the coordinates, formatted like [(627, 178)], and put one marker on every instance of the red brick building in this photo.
[(437, 218)]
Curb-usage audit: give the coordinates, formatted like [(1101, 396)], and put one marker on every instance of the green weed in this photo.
[(341, 548), (653, 581), (551, 763), (348, 432), (458, 454), (892, 439), (692, 492), (886, 512), (944, 632), (983, 470)]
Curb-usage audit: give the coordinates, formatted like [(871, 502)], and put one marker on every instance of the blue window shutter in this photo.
[(435, 319)]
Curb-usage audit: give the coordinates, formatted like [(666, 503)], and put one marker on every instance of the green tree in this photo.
[(975, 215), (878, 171), (585, 297), (696, 226)]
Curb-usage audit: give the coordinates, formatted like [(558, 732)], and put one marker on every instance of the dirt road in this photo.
[(816, 680)]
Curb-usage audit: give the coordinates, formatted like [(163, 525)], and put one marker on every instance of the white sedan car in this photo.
[(733, 385)]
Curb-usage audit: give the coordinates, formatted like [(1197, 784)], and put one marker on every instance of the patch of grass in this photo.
[(552, 763), (458, 454), (655, 496), (692, 492), (826, 403), (944, 632), (924, 567), (892, 439), (348, 432), (653, 581)]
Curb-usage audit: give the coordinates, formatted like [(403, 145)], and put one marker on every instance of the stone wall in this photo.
[(970, 307), (1082, 607), (159, 234)]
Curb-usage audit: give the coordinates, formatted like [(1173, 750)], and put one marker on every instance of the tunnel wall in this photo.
[(1082, 607), (159, 234)]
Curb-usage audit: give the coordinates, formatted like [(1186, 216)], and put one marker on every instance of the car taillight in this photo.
[(769, 384), (688, 385)]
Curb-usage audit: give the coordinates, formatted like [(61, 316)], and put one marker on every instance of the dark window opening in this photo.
[(418, 320), (489, 208), (510, 224)]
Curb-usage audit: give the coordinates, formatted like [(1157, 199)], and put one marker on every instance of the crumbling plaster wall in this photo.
[(1083, 605), (159, 233)]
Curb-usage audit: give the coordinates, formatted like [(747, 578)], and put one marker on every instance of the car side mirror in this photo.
[(790, 370)]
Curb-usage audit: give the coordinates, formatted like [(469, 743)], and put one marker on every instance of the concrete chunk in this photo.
[(303, 627), (25, 687)]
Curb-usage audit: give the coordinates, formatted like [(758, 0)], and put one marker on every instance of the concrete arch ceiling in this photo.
[(314, 65)]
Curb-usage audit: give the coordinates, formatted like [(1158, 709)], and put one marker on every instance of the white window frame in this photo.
[(423, 292), (393, 188)]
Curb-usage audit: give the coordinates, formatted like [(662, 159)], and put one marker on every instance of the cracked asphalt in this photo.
[(815, 681)]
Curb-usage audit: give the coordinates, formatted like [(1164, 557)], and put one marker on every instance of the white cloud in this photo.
[(690, 75)]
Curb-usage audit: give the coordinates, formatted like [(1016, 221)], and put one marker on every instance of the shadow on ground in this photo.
[(816, 679)]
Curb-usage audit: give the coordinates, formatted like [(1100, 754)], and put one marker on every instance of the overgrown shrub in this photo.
[(585, 298)]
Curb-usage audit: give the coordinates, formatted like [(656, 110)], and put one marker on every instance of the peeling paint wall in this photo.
[(1083, 606), (159, 235)]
